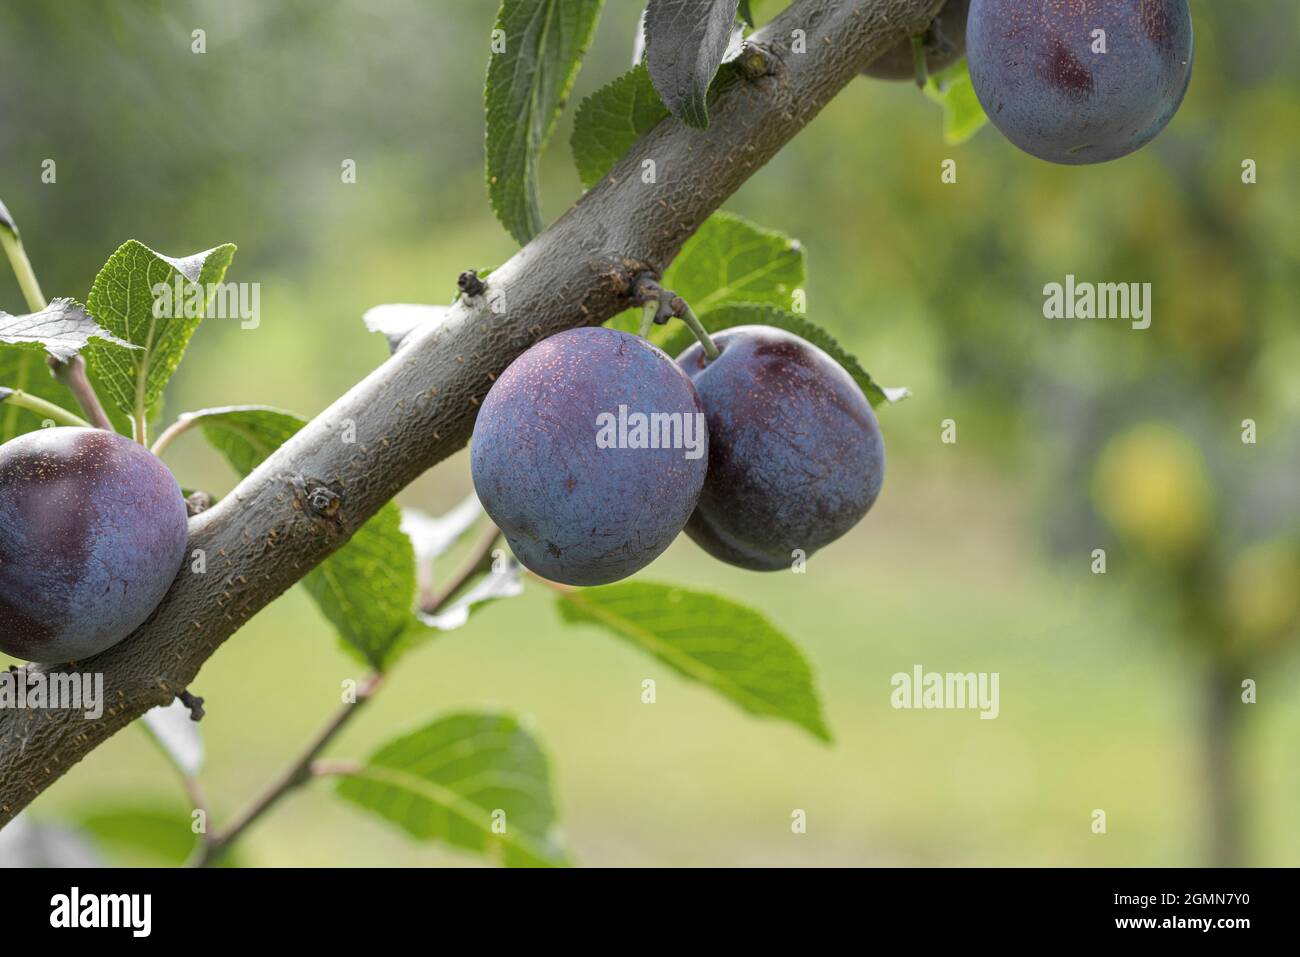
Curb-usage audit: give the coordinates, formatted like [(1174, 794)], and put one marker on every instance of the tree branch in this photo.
[(419, 407)]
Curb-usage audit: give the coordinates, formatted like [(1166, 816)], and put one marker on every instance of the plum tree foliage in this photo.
[(786, 457)]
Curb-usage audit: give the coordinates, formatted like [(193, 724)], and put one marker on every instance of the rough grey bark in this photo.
[(419, 407)]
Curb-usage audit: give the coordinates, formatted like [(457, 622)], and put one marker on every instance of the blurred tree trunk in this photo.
[(1221, 736)]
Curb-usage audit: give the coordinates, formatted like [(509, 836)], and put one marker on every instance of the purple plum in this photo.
[(1084, 81), (796, 458), (92, 532), (589, 454)]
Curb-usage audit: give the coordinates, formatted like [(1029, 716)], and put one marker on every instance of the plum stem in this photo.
[(693, 323), (72, 373), (918, 61), (646, 290), (25, 400)]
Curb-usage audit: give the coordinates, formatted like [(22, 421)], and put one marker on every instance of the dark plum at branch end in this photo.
[(796, 457), (1038, 70), (93, 530), (572, 511)]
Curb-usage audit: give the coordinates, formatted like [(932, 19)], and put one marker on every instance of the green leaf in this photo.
[(122, 300), (963, 116), (62, 329), (25, 368), (729, 259), (734, 273), (732, 649), (612, 119), (145, 836), (526, 88), (751, 314), (366, 589), (685, 41), (745, 13), (459, 780), (245, 435)]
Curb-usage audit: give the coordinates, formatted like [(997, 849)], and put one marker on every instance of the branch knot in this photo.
[(322, 501), (756, 61), (194, 703), (470, 284)]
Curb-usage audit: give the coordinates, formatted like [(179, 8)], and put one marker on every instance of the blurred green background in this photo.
[(1118, 691)]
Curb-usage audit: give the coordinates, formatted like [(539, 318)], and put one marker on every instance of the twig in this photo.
[(198, 800), (72, 374), (193, 789), (305, 766), (479, 560), (297, 774)]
